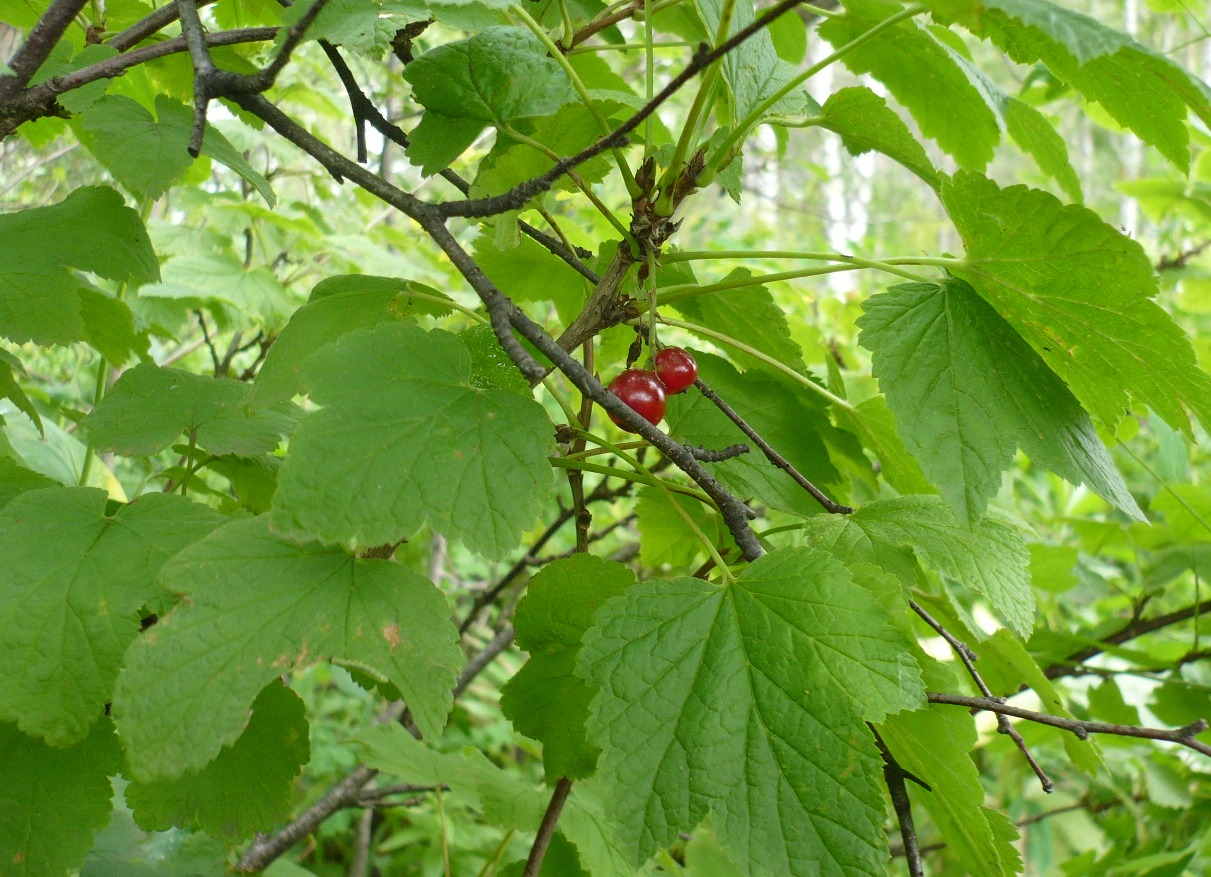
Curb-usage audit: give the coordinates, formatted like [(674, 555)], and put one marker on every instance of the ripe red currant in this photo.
[(642, 391), (676, 369)]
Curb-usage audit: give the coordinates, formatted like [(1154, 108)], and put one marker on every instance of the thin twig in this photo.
[(1182, 736), (1134, 628), (359, 861), (770, 454), (42, 39), (968, 657), (516, 197), (546, 829), (894, 775), (146, 26)]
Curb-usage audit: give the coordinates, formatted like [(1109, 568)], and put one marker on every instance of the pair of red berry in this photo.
[(646, 391)]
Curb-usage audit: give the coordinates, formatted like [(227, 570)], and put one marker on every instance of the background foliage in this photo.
[(318, 554)]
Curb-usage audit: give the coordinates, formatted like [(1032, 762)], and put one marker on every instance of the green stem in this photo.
[(888, 265), (98, 394), (625, 475), (723, 153), (689, 131), (649, 75), (764, 357), (628, 47), (578, 84), (568, 30)]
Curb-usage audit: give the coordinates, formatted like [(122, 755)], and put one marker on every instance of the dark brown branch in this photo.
[(1082, 729), (894, 775), (516, 197), (1134, 628), (210, 82), (770, 454), (598, 25), (38, 45), (1004, 726), (1172, 263), (546, 829)]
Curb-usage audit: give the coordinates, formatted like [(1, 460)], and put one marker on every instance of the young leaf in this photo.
[(258, 606), (865, 122), (496, 77), (753, 71), (75, 581), (10, 389), (339, 305), (405, 437), (1079, 293), (921, 74), (53, 800), (967, 391), (747, 700), (90, 230), (247, 788), (989, 556), (149, 407), (545, 700)]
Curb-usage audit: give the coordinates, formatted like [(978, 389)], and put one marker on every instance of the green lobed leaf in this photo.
[(497, 76), (247, 788), (1079, 293), (865, 122), (922, 75), (149, 407), (75, 581), (438, 139), (873, 422), (989, 556), (1142, 90), (258, 606), (545, 700), (144, 153), (784, 416), (405, 437), (53, 800), (90, 230), (339, 305), (350, 23), (933, 745), (967, 392), (109, 326), (747, 700)]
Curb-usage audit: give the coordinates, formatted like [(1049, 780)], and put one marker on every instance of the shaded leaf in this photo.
[(75, 581), (545, 700), (338, 306), (865, 122), (247, 788), (52, 801), (150, 407), (405, 438), (258, 606)]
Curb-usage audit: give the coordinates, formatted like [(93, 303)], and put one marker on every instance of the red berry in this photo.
[(642, 391), (676, 369)]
